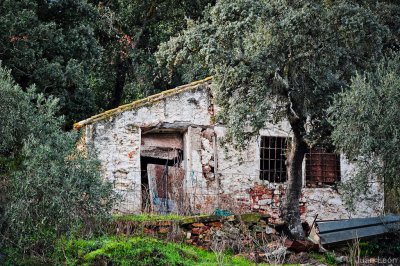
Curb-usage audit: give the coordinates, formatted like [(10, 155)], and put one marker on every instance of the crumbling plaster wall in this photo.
[(116, 144), (117, 140), (242, 190), (328, 202)]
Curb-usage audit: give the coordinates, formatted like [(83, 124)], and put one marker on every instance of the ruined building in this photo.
[(164, 154)]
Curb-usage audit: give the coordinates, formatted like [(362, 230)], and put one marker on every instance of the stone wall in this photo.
[(117, 147), (243, 191), (201, 231), (117, 139)]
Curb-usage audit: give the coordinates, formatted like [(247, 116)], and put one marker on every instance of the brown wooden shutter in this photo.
[(322, 167)]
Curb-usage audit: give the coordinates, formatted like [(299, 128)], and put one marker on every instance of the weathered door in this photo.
[(166, 188)]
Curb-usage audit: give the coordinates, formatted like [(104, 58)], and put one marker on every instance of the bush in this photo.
[(365, 130), (51, 188)]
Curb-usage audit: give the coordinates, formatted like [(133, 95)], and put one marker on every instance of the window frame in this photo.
[(327, 167), (274, 156), (272, 151)]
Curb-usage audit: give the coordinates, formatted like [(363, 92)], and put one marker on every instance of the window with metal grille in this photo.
[(273, 158), (322, 167)]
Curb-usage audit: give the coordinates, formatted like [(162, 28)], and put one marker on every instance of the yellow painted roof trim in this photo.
[(138, 103)]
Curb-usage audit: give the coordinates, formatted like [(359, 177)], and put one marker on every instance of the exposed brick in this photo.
[(163, 230), (195, 231), (216, 224), (197, 224), (302, 209)]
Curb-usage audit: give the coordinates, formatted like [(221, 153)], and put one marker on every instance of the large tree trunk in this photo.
[(121, 70), (291, 210)]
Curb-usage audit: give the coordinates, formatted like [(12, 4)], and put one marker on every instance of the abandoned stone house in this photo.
[(163, 154)]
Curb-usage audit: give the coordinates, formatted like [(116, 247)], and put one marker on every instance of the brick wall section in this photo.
[(266, 200)]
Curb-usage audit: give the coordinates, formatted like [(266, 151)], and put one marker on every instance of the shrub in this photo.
[(51, 188)]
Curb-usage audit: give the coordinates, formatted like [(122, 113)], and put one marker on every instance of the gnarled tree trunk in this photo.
[(291, 210)]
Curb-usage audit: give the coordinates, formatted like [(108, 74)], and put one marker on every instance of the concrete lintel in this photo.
[(171, 127)]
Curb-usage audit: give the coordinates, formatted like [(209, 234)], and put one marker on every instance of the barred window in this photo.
[(322, 167), (273, 159)]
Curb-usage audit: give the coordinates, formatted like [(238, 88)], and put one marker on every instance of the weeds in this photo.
[(354, 252), (328, 258)]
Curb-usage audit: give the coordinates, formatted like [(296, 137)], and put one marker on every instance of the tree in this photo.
[(92, 55), (130, 32), (52, 44), (51, 188), (366, 129), (281, 59)]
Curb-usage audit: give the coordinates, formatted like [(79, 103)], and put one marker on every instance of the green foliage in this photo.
[(380, 247), (130, 32), (13, 126), (52, 44), (92, 55), (328, 258), (51, 188), (366, 130), (275, 60), (142, 251)]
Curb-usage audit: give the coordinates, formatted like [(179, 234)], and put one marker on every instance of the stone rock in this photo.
[(269, 230), (341, 259), (250, 217), (195, 231), (219, 233), (280, 252), (163, 230), (265, 201), (198, 225)]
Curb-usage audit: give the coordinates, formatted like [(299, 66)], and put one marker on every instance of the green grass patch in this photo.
[(147, 217), (141, 251), (327, 258), (380, 247)]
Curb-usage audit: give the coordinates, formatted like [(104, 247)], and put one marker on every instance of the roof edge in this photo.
[(139, 103)]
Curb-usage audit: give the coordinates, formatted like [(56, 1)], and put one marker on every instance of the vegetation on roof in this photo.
[(149, 100)]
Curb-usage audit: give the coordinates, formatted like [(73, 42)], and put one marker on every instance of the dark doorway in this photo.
[(144, 162), (162, 155)]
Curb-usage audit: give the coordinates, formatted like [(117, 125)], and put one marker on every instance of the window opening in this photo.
[(273, 159)]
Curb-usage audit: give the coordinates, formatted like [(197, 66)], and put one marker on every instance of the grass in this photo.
[(141, 251), (380, 247), (327, 258), (147, 217)]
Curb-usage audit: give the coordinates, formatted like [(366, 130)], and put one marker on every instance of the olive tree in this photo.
[(366, 129), (280, 60), (51, 188)]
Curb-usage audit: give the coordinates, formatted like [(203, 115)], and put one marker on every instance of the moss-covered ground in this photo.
[(138, 251), (147, 217)]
